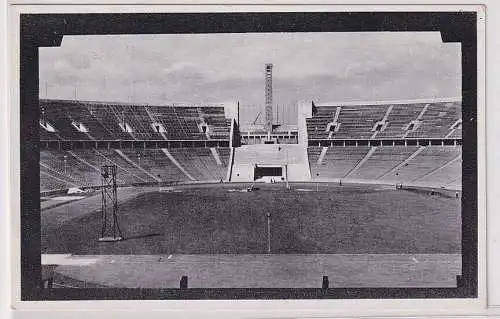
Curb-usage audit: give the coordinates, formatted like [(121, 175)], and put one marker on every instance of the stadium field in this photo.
[(221, 219)]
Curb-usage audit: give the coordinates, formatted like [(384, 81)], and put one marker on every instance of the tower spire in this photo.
[(269, 96)]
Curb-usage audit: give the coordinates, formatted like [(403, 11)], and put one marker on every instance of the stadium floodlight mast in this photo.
[(65, 160), (110, 231), (286, 170), (65, 164), (268, 214)]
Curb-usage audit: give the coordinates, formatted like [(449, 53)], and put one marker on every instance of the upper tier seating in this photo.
[(399, 118), (106, 121), (358, 121), (435, 120)]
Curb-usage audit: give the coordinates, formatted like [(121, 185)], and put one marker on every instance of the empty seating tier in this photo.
[(200, 163), (337, 161), (399, 118), (157, 163), (381, 161), (430, 120), (77, 120), (430, 165), (81, 168), (438, 119), (429, 160)]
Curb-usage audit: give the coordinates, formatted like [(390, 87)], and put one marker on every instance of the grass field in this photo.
[(212, 220)]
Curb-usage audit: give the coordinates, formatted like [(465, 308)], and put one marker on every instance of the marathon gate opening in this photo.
[(270, 172)]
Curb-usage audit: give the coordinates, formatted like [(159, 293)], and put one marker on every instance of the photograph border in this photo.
[(40, 30)]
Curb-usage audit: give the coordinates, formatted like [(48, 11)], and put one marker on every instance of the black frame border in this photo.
[(44, 30)]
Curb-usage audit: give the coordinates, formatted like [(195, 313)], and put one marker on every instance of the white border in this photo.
[(260, 308)]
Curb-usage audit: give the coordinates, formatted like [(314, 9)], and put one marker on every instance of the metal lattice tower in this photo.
[(269, 97), (110, 230)]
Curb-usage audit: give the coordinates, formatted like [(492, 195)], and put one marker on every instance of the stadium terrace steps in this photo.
[(157, 163), (399, 118), (438, 119), (199, 163), (445, 174), (113, 158), (358, 121), (136, 165), (292, 155), (50, 182), (102, 120), (81, 168), (383, 160), (95, 159), (435, 166), (429, 159), (67, 167), (337, 161)]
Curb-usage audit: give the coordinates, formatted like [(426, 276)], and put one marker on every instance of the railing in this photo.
[(135, 144), (387, 142)]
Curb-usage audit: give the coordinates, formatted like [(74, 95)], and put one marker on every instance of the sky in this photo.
[(217, 68)]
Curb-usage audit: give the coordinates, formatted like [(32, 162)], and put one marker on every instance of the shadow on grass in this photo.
[(141, 236)]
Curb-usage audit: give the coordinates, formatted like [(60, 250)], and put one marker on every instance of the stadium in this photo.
[(356, 194)]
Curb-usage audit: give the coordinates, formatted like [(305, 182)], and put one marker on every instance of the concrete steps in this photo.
[(294, 156)]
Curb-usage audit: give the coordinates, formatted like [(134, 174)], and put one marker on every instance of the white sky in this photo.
[(199, 68)]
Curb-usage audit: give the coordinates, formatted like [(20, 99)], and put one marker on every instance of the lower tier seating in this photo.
[(81, 168), (430, 165)]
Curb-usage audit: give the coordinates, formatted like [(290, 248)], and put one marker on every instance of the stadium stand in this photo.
[(102, 121), (337, 162), (437, 119), (399, 118), (445, 175), (67, 167), (200, 163), (431, 158), (61, 116), (358, 121), (49, 182), (61, 169), (157, 163), (382, 161), (224, 154), (433, 119), (94, 159), (120, 121)]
